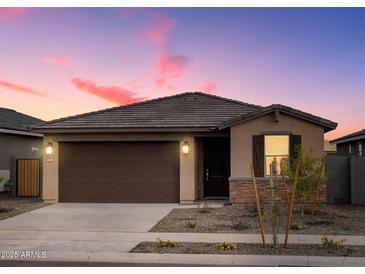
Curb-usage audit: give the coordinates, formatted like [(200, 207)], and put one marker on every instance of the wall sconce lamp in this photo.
[(185, 147), (49, 149)]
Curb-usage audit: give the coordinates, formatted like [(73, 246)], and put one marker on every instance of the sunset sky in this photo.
[(57, 62)]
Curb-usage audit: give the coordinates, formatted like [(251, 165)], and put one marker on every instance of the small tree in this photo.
[(310, 168)]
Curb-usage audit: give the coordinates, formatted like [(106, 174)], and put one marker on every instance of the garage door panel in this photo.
[(106, 171), (117, 172)]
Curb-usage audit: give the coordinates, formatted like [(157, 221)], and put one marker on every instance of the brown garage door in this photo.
[(119, 172)]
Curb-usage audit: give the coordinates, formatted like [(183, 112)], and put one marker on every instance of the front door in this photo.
[(216, 167)]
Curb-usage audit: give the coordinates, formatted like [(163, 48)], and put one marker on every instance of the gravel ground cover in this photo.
[(13, 206), (251, 249), (327, 219)]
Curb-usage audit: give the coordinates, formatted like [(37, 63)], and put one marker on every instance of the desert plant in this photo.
[(296, 227), (241, 226), (165, 244), (274, 212), (226, 246), (331, 244), (191, 223), (310, 168)]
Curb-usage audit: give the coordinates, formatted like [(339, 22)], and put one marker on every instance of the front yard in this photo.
[(251, 249), (10, 207), (327, 219)]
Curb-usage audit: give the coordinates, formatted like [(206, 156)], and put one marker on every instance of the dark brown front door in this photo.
[(216, 167), (119, 172)]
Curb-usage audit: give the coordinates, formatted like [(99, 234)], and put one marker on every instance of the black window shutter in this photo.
[(258, 155), (295, 141)]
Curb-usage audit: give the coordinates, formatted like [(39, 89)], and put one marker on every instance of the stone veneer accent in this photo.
[(241, 191)]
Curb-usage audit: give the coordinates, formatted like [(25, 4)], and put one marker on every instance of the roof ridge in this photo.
[(113, 108), (227, 99)]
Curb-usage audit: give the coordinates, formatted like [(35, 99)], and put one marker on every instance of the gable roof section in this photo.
[(192, 110), (327, 124), (14, 121), (358, 135)]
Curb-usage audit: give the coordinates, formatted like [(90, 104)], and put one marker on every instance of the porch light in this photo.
[(185, 147), (49, 149)]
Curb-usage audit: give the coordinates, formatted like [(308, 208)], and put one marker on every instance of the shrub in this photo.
[(331, 244), (241, 226), (226, 246), (296, 227), (165, 244), (191, 224)]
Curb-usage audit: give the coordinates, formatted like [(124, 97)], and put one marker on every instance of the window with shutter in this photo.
[(295, 144), (258, 155), (275, 150)]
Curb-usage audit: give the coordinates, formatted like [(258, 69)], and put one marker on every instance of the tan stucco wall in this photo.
[(188, 163), (50, 172), (241, 138)]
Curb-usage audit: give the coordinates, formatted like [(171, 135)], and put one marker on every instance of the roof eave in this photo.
[(123, 130), (349, 139), (19, 132), (327, 126)]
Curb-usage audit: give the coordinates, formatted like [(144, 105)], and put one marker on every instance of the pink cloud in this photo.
[(207, 87), (57, 61), (172, 65), (113, 94), (11, 15), (20, 88), (157, 33), (169, 67)]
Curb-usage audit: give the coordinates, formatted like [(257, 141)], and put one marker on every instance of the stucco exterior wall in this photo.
[(241, 138), (188, 162), (14, 147)]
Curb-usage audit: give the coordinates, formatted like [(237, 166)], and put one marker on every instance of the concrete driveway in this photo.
[(89, 217), (76, 231)]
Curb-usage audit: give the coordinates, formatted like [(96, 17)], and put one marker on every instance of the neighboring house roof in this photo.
[(358, 135), (193, 111), (327, 124), (12, 121)]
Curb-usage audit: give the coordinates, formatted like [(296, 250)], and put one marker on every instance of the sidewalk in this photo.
[(204, 260), (103, 246), (178, 237)]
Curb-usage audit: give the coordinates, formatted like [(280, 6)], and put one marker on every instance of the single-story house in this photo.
[(172, 149), (17, 142), (351, 144)]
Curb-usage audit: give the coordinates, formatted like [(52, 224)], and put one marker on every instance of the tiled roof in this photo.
[(12, 120), (358, 135), (191, 110), (186, 110)]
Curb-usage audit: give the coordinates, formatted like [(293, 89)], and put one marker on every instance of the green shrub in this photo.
[(331, 244), (296, 227), (165, 244), (226, 246)]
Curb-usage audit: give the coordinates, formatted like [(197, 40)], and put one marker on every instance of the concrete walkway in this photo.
[(100, 246)]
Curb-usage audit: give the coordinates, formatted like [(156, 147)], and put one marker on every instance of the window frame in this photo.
[(282, 155)]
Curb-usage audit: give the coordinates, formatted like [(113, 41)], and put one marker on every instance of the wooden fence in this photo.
[(28, 177)]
